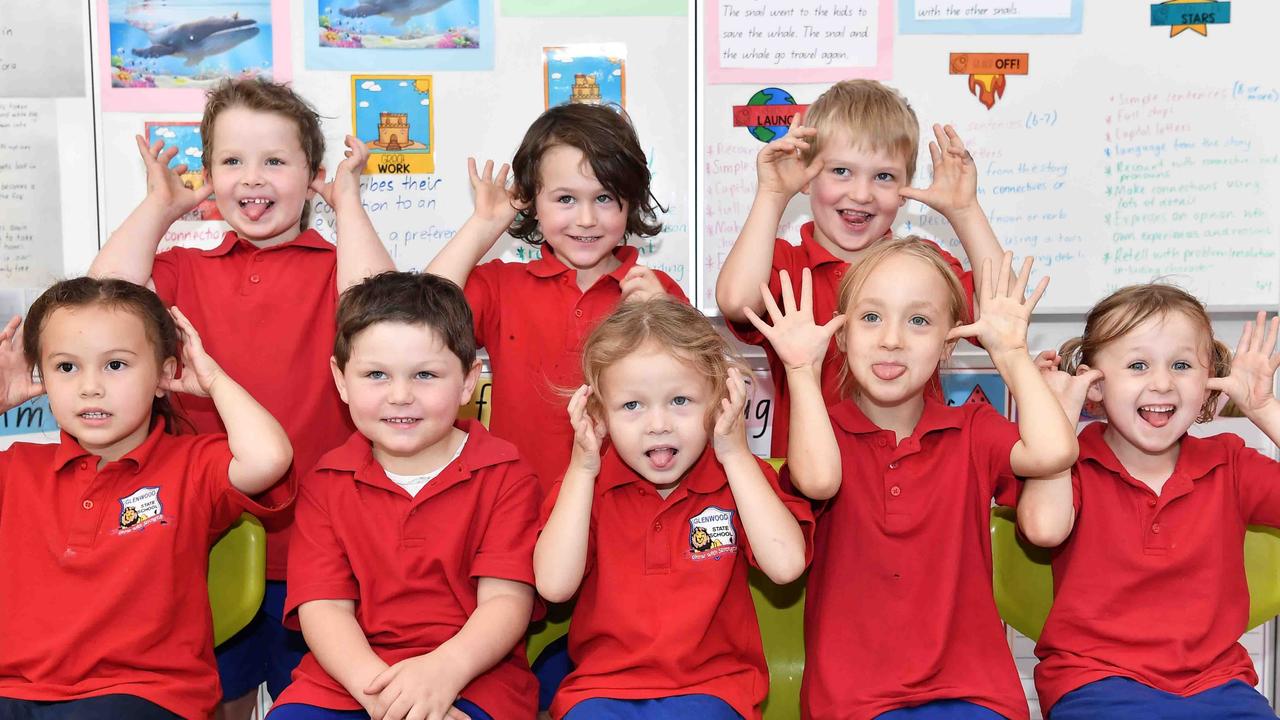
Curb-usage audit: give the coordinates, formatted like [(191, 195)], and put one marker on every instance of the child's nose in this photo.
[(90, 384), (860, 190), (586, 215), (658, 421)]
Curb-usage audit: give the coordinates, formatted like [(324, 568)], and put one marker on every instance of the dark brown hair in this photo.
[(1119, 313), (409, 298), (675, 327), (609, 144), (868, 114), (112, 294), (264, 96)]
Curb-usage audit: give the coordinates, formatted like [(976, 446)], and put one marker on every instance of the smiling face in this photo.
[(260, 174), (404, 386), (581, 220), (1154, 385), (854, 198), (896, 332), (101, 374), (655, 407)]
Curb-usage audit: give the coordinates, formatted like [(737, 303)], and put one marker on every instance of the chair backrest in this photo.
[(237, 577), (1022, 575), (481, 402)]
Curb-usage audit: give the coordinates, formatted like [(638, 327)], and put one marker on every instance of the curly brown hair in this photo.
[(608, 141)]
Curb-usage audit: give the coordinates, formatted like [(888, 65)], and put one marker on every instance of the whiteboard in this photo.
[(1121, 156), (481, 113)]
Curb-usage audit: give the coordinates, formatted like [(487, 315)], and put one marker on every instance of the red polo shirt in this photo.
[(104, 586), (533, 319), (828, 271), (1152, 587), (412, 564), (899, 610), (268, 317), (663, 609)]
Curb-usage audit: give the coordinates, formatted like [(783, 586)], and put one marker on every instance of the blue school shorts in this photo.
[(702, 707), (942, 710), (264, 651), (103, 707), (1117, 698), (297, 711)]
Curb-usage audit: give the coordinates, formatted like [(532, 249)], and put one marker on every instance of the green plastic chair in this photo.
[(1022, 576), (237, 577)]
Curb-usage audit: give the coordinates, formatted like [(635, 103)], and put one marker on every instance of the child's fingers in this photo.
[(1246, 338), (1037, 293), (944, 143), (770, 305), (833, 325), (1023, 277), (456, 714), (1088, 375), (11, 329), (764, 328), (935, 154), (788, 293), (471, 172), (806, 291), (1006, 271), (169, 154), (180, 169), (962, 331), (501, 180), (488, 170)]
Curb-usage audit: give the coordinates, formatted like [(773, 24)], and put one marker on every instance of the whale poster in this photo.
[(410, 34), (165, 55)]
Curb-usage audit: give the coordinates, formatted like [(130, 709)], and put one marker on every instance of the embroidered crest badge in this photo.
[(711, 534), (140, 508)]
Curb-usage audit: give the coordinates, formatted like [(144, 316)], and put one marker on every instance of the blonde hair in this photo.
[(911, 246), (671, 325), (1119, 313), (874, 116)]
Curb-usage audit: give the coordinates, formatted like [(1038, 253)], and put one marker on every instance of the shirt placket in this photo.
[(90, 505)]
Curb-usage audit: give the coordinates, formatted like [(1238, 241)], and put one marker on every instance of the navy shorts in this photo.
[(1117, 698), (103, 707), (298, 711), (702, 707), (942, 710), (263, 652)]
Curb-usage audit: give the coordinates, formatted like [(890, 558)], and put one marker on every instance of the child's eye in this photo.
[(1138, 365), (1182, 365), (275, 161), (680, 401), (376, 375), (840, 172), (885, 177), (871, 317), (65, 367), (565, 199), (230, 161), (425, 375), (604, 199), (919, 321), (116, 365), (631, 405)]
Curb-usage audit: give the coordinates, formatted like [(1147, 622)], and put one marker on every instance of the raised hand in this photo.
[(345, 184), (780, 167), (1251, 384), (588, 432), (16, 385), (730, 433), (955, 175), (795, 336), (165, 187), (199, 371), (1071, 390), (640, 283), (1002, 310), (495, 201)]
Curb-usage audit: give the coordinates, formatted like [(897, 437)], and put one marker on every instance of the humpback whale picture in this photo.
[(399, 11), (399, 24), (188, 43)]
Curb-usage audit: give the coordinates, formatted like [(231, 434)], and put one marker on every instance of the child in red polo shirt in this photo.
[(582, 187), (854, 157), (1150, 596), (654, 531), (105, 536), (411, 566), (264, 301), (899, 617)]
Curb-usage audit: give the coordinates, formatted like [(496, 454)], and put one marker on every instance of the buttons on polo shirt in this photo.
[(1151, 502), (895, 491), (1155, 528), (87, 504), (657, 526), (84, 465), (577, 313), (255, 278), (893, 466), (881, 442)]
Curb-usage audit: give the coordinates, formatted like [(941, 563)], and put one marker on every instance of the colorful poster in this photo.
[(962, 386), (799, 41), (163, 56), (393, 116), (593, 8), (413, 34), (186, 137), (585, 73), (990, 17)]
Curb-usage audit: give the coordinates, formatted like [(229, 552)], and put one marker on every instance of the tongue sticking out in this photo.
[(888, 371), (1156, 418), (255, 210), (661, 458), (855, 219)]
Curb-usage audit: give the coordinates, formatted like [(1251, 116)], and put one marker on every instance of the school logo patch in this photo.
[(140, 509), (711, 534)]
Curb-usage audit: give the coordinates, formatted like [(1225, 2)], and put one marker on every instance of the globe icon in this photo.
[(770, 96)]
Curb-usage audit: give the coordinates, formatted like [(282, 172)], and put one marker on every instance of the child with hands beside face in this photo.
[(906, 483), (106, 534), (654, 529)]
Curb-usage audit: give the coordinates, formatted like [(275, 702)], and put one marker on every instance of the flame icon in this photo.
[(988, 88)]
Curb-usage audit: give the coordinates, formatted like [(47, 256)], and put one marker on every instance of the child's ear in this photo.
[(167, 372), (469, 384), (338, 378), (1094, 393), (317, 183), (947, 349)]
